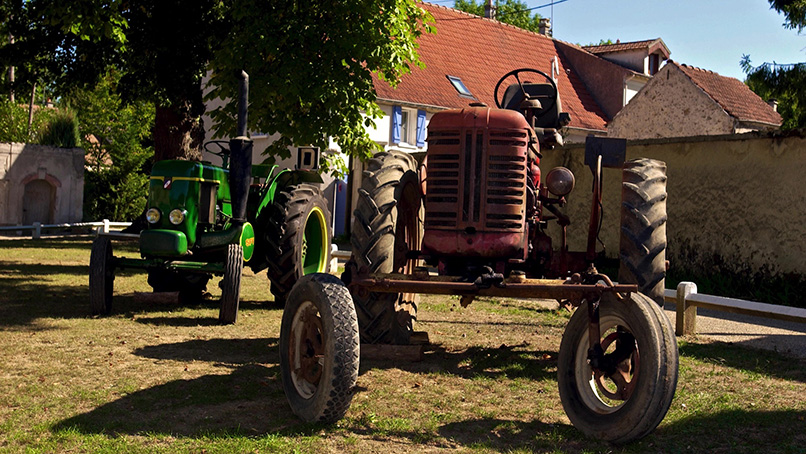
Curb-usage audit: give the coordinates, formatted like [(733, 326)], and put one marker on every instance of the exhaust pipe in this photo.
[(240, 167)]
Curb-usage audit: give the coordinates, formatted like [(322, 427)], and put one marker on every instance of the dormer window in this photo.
[(460, 87)]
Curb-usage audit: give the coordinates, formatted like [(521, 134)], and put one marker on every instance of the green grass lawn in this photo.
[(159, 377)]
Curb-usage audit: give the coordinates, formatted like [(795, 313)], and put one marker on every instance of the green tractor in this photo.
[(204, 220)]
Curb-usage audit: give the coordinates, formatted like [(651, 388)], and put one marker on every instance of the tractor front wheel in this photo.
[(629, 396), (296, 237), (319, 348), (102, 276), (231, 284)]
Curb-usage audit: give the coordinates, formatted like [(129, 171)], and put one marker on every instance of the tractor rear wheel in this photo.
[(386, 226), (102, 276), (642, 245), (629, 401), (296, 237), (231, 284), (319, 349)]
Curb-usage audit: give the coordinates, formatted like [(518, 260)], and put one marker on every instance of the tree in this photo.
[(311, 62), (793, 10), (311, 65), (513, 12), (117, 140), (784, 83)]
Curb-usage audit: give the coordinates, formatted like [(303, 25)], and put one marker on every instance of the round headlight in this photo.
[(177, 216), (560, 181), (153, 215)]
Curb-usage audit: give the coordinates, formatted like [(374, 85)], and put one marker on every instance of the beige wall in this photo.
[(736, 200), (670, 105), (61, 170)]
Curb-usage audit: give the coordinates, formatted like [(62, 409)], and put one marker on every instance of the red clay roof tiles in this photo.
[(620, 47), (732, 95), (480, 51)]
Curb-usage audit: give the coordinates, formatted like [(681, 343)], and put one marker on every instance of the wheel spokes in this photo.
[(618, 381), (307, 351)]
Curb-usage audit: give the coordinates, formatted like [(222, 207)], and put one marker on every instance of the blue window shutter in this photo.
[(420, 128), (397, 118)]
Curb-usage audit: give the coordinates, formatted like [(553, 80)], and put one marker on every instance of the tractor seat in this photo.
[(513, 96)]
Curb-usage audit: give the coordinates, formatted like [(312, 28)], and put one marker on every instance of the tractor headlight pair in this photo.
[(176, 216)]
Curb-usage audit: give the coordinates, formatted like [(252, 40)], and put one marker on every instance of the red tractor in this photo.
[(476, 212)]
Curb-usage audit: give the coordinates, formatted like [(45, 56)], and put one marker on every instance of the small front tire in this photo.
[(632, 401), (319, 348), (231, 284), (102, 276)]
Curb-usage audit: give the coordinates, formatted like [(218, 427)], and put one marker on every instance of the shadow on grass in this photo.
[(226, 351), (28, 292), (511, 361), (249, 401), (735, 431), (736, 357)]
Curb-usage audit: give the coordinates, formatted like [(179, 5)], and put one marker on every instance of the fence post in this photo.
[(686, 314), (37, 234), (106, 226)]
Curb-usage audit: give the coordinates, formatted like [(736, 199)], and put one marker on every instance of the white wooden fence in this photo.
[(36, 229), (687, 300)]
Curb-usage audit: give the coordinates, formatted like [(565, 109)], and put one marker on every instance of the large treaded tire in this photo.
[(102, 276), (387, 224), (296, 237), (653, 367), (231, 285), (319, 348), (642, 245)]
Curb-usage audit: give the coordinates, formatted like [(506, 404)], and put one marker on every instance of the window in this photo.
[(404, 127), (408, 126), (460, 87)]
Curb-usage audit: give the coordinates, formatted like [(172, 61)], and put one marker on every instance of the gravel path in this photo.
[(788, 338)]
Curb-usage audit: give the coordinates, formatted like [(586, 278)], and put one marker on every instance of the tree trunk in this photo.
[(31, 109), (11, 75), (178, 131)]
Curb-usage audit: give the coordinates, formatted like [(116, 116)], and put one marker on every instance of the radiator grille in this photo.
[(476, 179)]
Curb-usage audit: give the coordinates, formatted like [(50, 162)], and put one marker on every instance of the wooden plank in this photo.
[(786, 313)]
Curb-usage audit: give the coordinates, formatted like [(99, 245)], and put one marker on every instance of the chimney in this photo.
[(545, 27), (489, 9), (773, 103)]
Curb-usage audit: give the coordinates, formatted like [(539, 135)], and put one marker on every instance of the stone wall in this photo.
[(736, 200), (40, 183)]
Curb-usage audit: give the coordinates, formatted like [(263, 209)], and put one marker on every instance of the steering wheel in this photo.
[(219, 148), (516, 73)]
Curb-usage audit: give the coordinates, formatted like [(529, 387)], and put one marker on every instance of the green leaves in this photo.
[(513, 12), (311, 67)]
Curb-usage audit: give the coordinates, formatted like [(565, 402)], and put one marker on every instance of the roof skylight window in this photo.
[(460, 87)]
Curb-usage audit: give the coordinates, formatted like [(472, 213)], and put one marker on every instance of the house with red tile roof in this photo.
[(476, 52), (681, 100), (644, 57)]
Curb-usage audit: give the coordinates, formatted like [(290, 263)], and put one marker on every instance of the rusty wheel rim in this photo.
[(407, 233), (306, 350), (620, 384), (605, 394)]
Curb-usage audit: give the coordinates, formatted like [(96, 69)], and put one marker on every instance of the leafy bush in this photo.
[(118, 144), (14, 122), (61, 130)]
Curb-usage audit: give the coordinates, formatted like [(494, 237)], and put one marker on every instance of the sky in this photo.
[(708, 34)]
